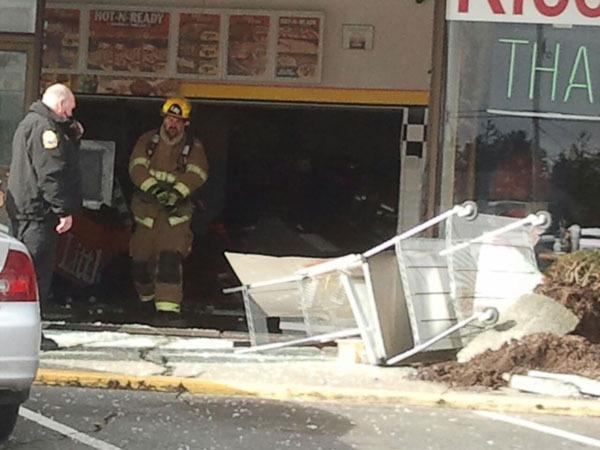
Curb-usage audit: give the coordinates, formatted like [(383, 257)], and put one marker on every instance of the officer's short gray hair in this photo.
[(56, 94)]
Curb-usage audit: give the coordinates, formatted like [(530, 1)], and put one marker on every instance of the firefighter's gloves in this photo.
[(165, 195), (159, 193), (174, 197)]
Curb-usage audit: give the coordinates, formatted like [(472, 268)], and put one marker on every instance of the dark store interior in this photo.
[(303, 180)]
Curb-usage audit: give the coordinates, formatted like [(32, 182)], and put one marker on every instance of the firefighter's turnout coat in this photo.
[(163, 237)]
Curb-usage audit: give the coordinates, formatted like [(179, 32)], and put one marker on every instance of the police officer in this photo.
[(44, 186), (167, 165)]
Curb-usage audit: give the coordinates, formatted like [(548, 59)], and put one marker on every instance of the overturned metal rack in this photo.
[(380, 292)]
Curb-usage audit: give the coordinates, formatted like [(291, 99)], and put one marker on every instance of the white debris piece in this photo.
[(544, 386), (585, 385)]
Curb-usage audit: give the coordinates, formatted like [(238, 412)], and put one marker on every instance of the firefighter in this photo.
[(167, 165)]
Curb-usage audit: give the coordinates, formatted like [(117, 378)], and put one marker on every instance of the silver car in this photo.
[(20, 330)]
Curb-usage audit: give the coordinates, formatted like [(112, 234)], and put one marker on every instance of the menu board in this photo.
[(150, 51), (61, 39), (298, 48), (128, 41), (248, 44), (198, 51)]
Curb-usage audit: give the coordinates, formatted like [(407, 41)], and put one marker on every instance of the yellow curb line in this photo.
[(100, 380), (447, 399)]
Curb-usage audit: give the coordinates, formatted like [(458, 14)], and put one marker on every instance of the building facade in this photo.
[(344, 119), (340, 56)]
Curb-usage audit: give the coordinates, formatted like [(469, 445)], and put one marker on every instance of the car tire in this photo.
[(8, 420)]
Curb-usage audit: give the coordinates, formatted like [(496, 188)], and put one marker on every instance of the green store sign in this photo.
[(543, 69)]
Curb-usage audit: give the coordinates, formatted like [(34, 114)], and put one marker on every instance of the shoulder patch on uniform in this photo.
[(50, 139)]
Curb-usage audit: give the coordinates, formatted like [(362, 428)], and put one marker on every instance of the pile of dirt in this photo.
[(574, 281), (548, 352)]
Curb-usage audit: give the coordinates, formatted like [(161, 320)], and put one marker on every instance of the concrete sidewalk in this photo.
[(210, 366)]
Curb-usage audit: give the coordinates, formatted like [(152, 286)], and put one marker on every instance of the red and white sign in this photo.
[(558, 12)]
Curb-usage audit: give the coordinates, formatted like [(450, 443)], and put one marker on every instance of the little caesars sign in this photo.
[(559, 12)]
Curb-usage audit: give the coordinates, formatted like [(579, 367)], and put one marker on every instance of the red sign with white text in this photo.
[(558, 12), (128, 41)]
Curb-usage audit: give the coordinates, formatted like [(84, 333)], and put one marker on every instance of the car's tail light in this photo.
[(17, 279)]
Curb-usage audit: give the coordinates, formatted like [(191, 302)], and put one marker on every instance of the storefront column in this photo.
[(433, 158)]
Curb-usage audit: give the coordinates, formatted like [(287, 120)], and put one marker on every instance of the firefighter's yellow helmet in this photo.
[(178, 107)]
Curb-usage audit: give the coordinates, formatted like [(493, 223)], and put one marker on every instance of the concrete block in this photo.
[(530, 314), (544, 386), (585, 385)]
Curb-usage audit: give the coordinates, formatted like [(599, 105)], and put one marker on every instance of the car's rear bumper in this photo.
[(13, 397), (20, 333)]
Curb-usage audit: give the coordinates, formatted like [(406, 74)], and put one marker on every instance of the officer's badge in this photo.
[(49, 140)]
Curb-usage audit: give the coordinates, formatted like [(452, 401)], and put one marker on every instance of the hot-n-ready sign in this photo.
[(559, 12)]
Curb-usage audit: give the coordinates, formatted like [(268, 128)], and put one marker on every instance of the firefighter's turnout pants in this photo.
[(161, 240)]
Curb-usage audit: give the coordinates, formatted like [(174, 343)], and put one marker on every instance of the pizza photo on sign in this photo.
[(248, 42), (101, 55), (199, 47), (298, 48)]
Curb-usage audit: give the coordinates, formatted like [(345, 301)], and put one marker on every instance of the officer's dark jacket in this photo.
[(44, 182)]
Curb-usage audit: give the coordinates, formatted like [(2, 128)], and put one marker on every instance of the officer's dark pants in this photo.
[(40, 238)]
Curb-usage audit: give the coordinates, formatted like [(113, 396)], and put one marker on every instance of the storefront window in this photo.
[(522, 123), (13, 66), (18, 16)]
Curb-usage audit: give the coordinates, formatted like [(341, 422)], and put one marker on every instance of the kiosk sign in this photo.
[(557, 12)]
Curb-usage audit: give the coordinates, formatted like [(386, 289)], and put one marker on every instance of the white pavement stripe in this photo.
[(541, 428), (66, 431)]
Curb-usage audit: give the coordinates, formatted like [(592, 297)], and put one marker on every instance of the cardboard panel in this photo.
[(277, 301), (390, 304)]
